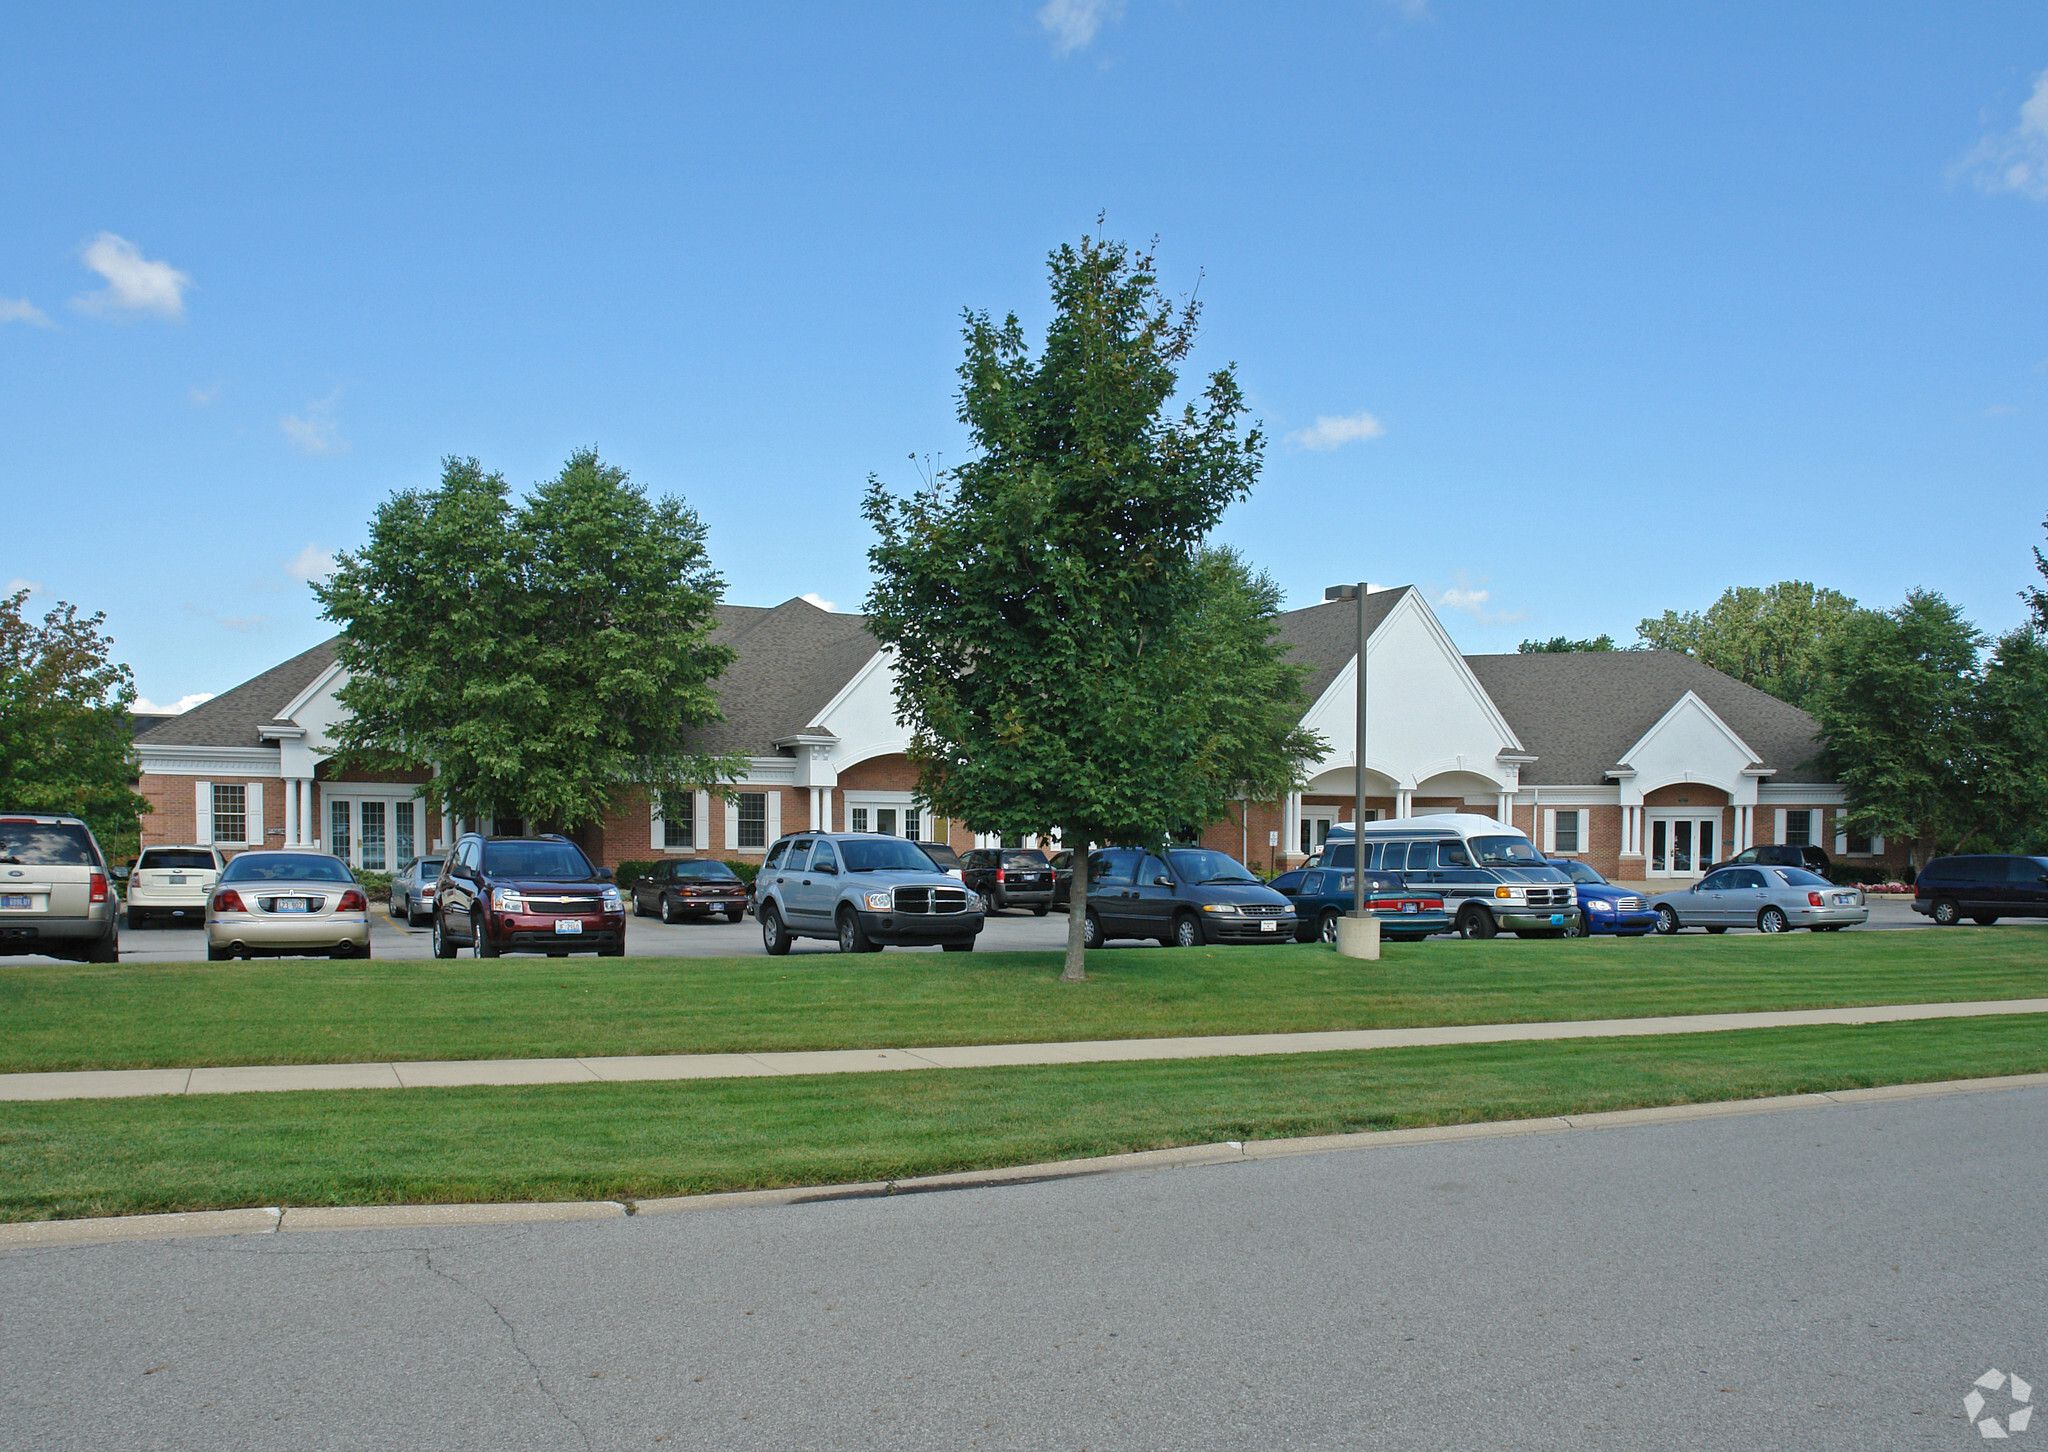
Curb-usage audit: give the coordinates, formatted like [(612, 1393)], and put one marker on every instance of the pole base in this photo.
[(1358, 937)]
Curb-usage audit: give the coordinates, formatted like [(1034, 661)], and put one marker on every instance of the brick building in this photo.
[(1646, 763)]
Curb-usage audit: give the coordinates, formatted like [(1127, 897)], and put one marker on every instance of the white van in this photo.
[(1491, 875)]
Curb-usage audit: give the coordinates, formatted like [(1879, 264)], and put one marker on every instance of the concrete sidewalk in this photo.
[(127, 1083)]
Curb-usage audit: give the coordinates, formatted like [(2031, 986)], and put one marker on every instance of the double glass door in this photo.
[(1683, 846)]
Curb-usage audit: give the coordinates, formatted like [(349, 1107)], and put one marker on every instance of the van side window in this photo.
[(1112, 869), (1452, 854), (1151, 870), (1312, 885)]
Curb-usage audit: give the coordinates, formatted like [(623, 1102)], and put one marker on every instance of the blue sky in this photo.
[(1567, 314)]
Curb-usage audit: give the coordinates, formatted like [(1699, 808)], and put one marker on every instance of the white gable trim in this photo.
[(1690, 698), (875, 662), (298, 702)]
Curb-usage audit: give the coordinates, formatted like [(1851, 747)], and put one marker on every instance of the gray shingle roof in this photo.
[(1578, 711), (1325, 637), (793, 659), (234, 717)]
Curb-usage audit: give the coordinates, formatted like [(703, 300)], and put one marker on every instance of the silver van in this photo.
[(56, 895), (1491, 875)]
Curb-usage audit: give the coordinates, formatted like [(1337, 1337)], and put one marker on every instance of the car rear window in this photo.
[(1800, 877), (53, 844), (705, 869), (559, 860), (286, 867), (1025, 862), (174, 858)]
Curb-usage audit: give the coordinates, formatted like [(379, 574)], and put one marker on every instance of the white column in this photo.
[(1404, 803), (1290, 828), (291, 812)]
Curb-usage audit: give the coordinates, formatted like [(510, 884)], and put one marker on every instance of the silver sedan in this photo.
[(269, 903), (1769, 899)]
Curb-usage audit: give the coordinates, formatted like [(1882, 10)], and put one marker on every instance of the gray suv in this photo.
[(865, 891), (56, 894)]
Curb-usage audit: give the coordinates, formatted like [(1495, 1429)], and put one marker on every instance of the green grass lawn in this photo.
[(628, 1141), (138, 1015)]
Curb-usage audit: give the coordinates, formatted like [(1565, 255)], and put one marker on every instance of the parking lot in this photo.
[(649, 938)]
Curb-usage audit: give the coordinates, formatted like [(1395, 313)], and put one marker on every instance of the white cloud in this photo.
[(812, 597), (318, 432), (1328, 433), (314, 562), (203, 397), (1073, 23), (17, 584), (1477, 603), (2015, 160), (145, 707), (21, 310), (134, 283)]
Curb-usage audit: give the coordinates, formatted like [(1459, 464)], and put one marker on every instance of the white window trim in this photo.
[(700, 827), (773, 827), (899, 802), (1550, 847)]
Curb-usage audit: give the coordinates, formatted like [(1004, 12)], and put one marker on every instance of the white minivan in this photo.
[(1491, 875)]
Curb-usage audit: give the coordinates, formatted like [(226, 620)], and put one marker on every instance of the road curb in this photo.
[(272, 1219)]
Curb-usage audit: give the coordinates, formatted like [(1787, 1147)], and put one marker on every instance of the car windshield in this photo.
[(705, 869), (286, 867), (156, 859), (41, 844), (554, 860), (1799, 877), (1580, 872), (1190, 865), (1505, 852), (884, 854)]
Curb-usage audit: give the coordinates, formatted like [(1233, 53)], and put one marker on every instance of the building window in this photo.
[(753, 820), (857, 819), (337, 829), (230, 814), (681, 829), (1858, 844), (1567, 831), (1799, 828), (373, 836), (885, 821), (402, 831), (910, 821)]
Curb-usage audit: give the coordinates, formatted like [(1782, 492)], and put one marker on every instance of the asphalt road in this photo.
[(1829, 1278), (649, 937)]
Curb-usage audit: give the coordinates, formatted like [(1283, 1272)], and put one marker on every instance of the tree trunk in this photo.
[(1077, 908)]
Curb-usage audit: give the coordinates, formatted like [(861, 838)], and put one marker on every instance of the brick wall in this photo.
[(175, 820)]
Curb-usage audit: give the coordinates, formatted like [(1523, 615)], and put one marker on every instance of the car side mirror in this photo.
[(118, 874), (828, 870), (604, 874), (1162, 882)]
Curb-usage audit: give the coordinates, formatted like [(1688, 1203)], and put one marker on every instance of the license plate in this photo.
[(288, 905), (1557, 920), (568, 925), (1843, 899), (1269, 926), (177, 882), (12, 901), (1409, 907)]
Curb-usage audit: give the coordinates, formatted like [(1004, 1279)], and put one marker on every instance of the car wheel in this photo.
[(775, 937), (1575, 925), (1717, 930), (1946, 913), (1041, 910), (853, 938), (668, 911), (1983, 920), (442, 947), (1667, 921), (134, 918), (1091, 930), (616, 950), (1187, 931), (106, 950), (1476, 923), (217, 955), (733, 915), (964, 945), (480, 944), (1326, 925), (639, 907), (1771, 920)]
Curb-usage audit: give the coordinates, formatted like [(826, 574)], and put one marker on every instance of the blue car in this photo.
[(1322, 895), (1603, 907)]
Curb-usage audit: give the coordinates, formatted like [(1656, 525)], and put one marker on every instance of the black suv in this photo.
[(1009, 877), (1982, 889), (526, 895)]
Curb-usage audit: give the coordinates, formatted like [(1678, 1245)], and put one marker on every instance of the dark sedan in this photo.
[(1320, 896), (673, 891)]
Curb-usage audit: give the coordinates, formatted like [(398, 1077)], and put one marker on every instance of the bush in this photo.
[(375, 885), (628, 874), (746, 871)]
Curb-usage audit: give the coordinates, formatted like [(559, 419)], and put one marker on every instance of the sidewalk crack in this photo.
[(532, 1366)]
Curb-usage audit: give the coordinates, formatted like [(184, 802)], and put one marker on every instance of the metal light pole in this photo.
[(1357, 592)]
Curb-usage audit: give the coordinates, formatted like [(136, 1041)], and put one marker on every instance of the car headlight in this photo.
[(974, 902), (613, 901), (878, 902), (1219, 907), (506, 900), (1601, 905), (1503, 892)]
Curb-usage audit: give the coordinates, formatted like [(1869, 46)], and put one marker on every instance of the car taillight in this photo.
[(99, 887), (352, 902), (1386, 905), (227, 900), (1813, 898), (999, 874), (1432, 905)]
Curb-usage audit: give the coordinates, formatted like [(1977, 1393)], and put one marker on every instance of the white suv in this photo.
[(172, 882)]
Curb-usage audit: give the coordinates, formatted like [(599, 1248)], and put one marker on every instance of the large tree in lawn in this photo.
[(1068, 653), (539, 654), (65, 741)]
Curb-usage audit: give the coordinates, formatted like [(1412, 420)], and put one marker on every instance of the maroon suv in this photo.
[(526, 895)]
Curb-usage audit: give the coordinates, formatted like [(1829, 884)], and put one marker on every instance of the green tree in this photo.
[(1897, 704), (2036, 596), (1562, 644), (1068, 654), (1771, 638), (65, 741), (2007, 805), (541, 655)]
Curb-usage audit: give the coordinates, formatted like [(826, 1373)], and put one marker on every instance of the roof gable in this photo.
[(236, 717)]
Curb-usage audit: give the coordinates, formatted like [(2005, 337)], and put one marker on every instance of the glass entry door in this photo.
[(1682, 846)]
